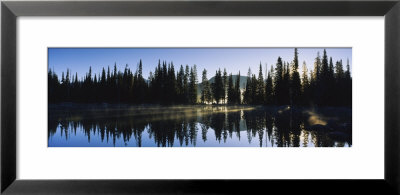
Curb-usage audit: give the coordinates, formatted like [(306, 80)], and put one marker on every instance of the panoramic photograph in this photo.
[(200, 97)]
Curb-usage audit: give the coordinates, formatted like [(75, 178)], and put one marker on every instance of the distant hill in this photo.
[(243, 81)]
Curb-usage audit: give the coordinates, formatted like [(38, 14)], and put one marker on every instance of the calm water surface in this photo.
[(197, 126)]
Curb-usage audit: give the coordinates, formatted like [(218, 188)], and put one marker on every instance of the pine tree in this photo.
[(206, 92), (115, 74), (151, 84), (172, 92), (305, 80), (193, 86), (324, 81), (140, 69), (317, 68), (305, 84), (295, 85), (141, 84), (247, 94), (348, 86), (286, 85), (331, 69), (279, 82), (231, 90), (330, 84), (339, 71), (260, 87), (315, 84), (180, 85), (225, 85), (53, 87), (347, 73), (186, 85), (103, 76), (217, 87), (67, 80), (254, 86), (269, 91), (237, 91)]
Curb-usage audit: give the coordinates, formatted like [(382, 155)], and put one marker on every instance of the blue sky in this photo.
[(233, 59)]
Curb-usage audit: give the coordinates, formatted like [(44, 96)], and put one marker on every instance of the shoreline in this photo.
[(127, 105)]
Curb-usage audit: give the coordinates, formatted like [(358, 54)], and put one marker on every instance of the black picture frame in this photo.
[(10, 10)]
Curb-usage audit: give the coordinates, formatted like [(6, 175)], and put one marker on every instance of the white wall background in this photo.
[(365, 159)]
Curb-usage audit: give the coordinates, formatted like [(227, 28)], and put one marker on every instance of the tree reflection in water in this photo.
[(201, 126)]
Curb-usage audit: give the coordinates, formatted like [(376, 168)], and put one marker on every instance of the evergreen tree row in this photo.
[(326, 85)]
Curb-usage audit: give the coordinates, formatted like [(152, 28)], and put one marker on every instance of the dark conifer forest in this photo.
[(285, 83)]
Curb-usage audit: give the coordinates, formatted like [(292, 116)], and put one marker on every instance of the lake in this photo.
[(103, 125)]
